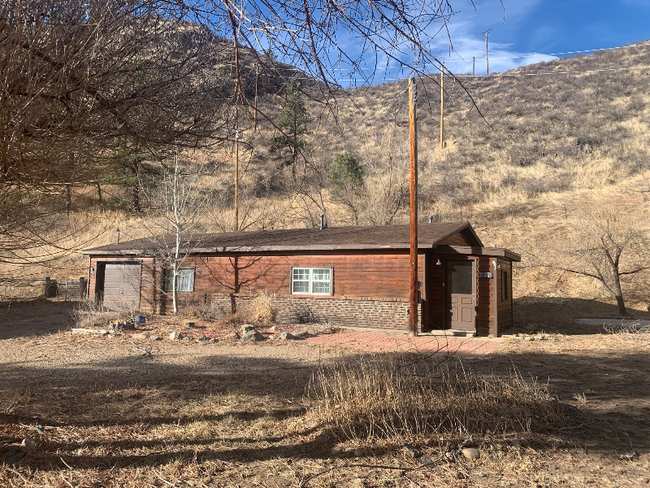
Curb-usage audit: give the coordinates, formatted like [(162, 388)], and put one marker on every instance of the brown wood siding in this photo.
[(504, 307), (92, 278), (484, 308), (354, 275), (435, 294)]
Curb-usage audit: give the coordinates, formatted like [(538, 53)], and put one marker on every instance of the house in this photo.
[(348, 276)]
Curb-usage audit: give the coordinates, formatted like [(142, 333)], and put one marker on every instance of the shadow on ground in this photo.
[(553, 314), (25, 318), (132, 395)]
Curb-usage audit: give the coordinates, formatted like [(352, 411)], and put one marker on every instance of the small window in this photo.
[(311, 281), (504, 285), (184, 279)]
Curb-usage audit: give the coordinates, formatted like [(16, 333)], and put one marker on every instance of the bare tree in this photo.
[(80, 79), (606, 243), (177, 205)]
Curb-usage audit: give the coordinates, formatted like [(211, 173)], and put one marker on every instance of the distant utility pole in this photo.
[(413, 296), (487, 62), (442, 108), (473, 65)]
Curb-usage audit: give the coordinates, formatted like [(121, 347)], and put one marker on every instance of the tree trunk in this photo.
[(621, 305), (135, 188), (618, 291)]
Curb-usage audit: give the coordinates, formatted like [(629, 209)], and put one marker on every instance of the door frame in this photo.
[(447, 298)]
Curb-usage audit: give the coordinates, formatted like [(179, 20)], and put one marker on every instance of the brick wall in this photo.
[(385, 313)]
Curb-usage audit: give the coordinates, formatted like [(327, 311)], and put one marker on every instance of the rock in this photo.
[(471, 453), (252, 336), (213, 341), (232, 336), (426, 461), (187, 338), (189, 324), (155, 338), (302, 335), (246, 328), (273, 329), (411, 451), (175, 335), (202, 339), (29, 443), (288, 336)]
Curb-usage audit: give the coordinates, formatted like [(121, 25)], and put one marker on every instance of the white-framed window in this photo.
[(184, 279), (311, 281)]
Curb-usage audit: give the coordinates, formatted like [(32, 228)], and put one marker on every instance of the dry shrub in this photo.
[(205, 312), (235, 320), (402, 400), (264, 310), (635, 327), (88, 315)]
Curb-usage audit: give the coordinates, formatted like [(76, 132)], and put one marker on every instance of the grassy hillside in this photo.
[(529, 156)]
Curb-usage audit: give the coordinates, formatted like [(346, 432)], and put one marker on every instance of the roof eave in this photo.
[(253, 249)]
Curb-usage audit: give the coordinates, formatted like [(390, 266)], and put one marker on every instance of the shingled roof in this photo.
[(328, 239)]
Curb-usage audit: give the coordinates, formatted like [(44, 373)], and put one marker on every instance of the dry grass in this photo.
[(231, 414), (402, 400), (87, 314), (553, 143)]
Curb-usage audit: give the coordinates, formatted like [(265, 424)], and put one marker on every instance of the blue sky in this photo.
[(530, 30)]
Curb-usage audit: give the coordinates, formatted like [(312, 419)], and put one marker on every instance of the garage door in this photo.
[(122, 286)]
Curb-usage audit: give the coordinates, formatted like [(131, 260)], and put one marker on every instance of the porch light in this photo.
[(438, 262)]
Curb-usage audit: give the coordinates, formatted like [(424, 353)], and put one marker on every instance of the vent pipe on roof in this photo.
[(322, 221)]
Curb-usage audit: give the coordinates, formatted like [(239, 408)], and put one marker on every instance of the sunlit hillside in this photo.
[(530, 157)]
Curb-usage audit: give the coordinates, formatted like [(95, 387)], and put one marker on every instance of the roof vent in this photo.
[(322, 221)]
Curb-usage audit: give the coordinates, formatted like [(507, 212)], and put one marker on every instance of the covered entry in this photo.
[(118, 285), (468, 289), (461, 295)]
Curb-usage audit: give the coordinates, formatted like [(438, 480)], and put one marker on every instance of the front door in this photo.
[(461, 295)]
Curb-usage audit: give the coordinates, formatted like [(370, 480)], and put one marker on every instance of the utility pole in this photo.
[(442, 108), (487, 62), (473, 65), (413, 296)]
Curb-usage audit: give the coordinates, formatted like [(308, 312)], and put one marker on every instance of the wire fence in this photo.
[(67, 289)]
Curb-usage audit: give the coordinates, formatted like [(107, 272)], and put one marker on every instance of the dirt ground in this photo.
[(140, 409)]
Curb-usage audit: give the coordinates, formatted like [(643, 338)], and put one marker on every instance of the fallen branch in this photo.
[(90, 331)]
